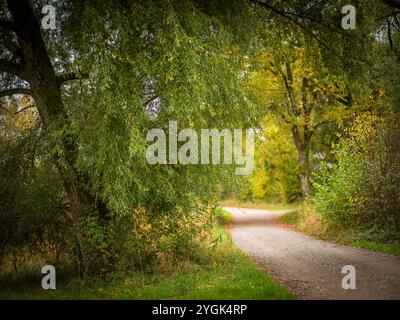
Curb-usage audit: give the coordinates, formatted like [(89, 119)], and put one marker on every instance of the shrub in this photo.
[(362, 191), (33, 216), (141, 240)]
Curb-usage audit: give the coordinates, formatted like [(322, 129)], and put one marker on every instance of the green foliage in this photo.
[(205, 277), (361, 191), (32, 204), (149, 63), (139, 240), (223, 217), (275, 177)]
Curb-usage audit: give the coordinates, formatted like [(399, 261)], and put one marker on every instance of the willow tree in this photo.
[(112, 70)]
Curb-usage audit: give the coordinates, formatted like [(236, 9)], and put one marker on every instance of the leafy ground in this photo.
[(226, 273), (312, 226)]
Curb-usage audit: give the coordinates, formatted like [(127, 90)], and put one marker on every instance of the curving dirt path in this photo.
[(311, 268)]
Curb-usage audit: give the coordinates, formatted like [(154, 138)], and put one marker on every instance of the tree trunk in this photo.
[(46, 91), (304, 173), (302, 142), (303, 149)]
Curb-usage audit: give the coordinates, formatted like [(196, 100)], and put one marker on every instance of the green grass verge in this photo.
[(381, 247), (310, 225), (223, 217), (292, 218), (228, 274)]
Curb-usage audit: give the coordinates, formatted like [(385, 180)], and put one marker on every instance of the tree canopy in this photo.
[(78, 101)]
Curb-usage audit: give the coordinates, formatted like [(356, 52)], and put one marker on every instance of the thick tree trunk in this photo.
[(45, 89), (304, 173), (303, 149), (301, 139)]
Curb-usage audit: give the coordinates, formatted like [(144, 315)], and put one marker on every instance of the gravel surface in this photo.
[(310, 268)]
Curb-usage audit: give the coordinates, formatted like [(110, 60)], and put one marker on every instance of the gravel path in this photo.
[(311, 268)]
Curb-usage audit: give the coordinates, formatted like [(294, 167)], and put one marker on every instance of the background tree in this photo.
[(305, 98)]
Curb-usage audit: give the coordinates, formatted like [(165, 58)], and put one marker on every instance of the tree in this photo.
[(33, 65), (311, 83), (275, 178), (110, 72), (305, 98)]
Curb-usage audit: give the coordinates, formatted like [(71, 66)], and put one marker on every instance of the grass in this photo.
[(304, 221), (291, 218), (255, 205), (226, 274), (223, 217), (308, 222), (381, 247)]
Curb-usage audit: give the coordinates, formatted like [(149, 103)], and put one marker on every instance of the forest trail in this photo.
[(311, 268)]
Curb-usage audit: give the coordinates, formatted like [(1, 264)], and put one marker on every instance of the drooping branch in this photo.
[(10, 92), (393, 3), (302, 16), (69, 76), (388, 15), (12, 68), (289, 16)]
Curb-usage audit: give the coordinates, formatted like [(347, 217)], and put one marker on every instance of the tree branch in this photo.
[(389, 15), (346, 101), (25, 108), (392, 3), (271, 69), (8, 111), (12, 68), (10, 92), (69, 76), (288, 81), (288, 15), (9, 25), (322, 123), (389, 30)]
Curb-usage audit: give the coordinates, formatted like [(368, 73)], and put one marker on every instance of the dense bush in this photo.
[(361, 191), (32, 205), (36, 224), (141, 240)]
